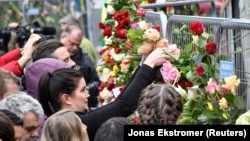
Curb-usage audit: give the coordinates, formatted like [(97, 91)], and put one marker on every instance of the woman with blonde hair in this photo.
[(64, 125)]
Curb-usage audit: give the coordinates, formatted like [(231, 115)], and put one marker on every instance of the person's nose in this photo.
[(71, 62), (34, 134), (75, 46)]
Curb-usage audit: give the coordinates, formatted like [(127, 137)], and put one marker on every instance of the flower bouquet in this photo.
[(122, 33), (208, 99)]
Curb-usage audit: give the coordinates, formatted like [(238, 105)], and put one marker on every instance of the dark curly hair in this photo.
[(159, 104)]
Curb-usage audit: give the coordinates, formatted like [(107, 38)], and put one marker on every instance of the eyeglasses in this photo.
[(76, 67)]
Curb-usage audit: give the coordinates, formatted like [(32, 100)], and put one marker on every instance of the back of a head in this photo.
[(71, 27), (6, 76), (6, 129), (21, 103), (35, 71), (69, 19), (112, 129), (64, 125), (45, 49), (159, 104)]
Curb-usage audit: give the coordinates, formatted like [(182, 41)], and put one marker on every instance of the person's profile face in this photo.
[(30, 124), (79, 100), (62, 54), (72, 41)]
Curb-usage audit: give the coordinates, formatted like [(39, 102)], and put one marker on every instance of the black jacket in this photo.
[(90, 75), (123, 106)]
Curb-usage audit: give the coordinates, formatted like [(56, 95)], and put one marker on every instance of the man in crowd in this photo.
[(26, 108), (86, 44)]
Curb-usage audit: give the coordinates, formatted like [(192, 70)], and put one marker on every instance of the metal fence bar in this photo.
[(179, 3), (211, 24), (237, 39)]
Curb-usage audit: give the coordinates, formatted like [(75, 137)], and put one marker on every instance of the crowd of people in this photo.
[(49, 92)]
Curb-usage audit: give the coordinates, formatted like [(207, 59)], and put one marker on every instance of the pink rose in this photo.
[(166, 67), (212, 87), (173, 74), (173, 49), (140, 12)]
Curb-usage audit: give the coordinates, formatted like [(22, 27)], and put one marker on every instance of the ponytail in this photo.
[(44, 93)]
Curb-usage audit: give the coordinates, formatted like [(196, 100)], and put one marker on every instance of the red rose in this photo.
[(199, 70), (111, 62), (184, 83), (101, 86), (122, 33), (101, 25), (110, 84), (140, 12), (118, 50), (211, 48), (107, 31), (197, 28), (137, 120), (151, 1)]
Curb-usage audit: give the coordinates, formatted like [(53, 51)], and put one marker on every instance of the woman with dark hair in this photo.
[(6, 129), (66, 89), (17, 123)]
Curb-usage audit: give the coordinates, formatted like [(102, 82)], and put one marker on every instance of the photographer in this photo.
[(15, 60)]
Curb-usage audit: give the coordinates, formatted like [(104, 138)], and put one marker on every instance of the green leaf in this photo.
[(239, 102), (198, 58), (188, 48), (229, 98), (205, 67)]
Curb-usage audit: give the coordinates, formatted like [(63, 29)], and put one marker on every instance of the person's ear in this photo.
[(65, 98)]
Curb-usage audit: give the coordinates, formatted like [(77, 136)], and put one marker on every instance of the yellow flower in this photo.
[(225, 116), (231, 83), (115, 68), (223, 103), (99, 69), (195, 39), (210, 106), (112, 74)]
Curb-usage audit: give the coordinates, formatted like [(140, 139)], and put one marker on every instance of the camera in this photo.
[(19, 35)]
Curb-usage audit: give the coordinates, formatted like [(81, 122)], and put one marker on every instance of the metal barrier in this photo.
[(231, 35), (158, 19), (180, 3), (178, 28), (234, 39)]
